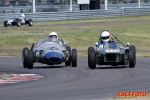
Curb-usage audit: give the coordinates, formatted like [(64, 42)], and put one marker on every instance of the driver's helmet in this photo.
[(23, 15), (53, 34), (105, 36)]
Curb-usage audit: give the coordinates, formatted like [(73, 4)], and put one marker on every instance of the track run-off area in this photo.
[(74, 83)]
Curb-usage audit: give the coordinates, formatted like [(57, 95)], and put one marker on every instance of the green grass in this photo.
[(1, 73), (80, 37)]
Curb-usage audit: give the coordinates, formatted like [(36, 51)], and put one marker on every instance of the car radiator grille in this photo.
[(54, 59), (110, 57)]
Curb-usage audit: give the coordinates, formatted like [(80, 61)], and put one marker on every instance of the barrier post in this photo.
[(3, 11)]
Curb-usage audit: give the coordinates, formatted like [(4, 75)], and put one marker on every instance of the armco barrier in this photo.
[(58, 8), (84, 14)]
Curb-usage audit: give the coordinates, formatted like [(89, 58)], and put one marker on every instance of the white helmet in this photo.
[(53, 34), (23, 15), (105, 36)]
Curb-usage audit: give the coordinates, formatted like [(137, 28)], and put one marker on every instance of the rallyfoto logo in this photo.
[(131, 94)]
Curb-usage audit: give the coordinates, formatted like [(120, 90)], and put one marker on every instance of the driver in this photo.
[(53, 37), (22, 18), (105, 38)]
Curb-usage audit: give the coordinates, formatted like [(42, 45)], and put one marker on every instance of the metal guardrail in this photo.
[(58, 8), (117, 6), (85, 14), (42, 8), (45, 16)]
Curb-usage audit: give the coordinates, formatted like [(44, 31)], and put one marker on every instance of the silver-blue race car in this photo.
[(107, 54), (50, 53)]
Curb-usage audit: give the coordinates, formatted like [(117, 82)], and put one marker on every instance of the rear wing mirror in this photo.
[(96, 44), (65, 43), (127, 44)]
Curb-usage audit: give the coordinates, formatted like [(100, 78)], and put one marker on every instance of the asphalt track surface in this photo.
[(79, 83)]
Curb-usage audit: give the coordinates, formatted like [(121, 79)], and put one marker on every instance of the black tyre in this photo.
[(5, 24), (68, 62), (30, 23), (25, 52), (89, 49), (74, 58), (132, 56), (18, 24), (68, 48), (30, 59), (92, 59)]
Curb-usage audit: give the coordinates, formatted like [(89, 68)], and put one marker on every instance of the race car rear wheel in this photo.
[(89, 49), (5, 23), (30, 23), (25, 52), (18, 24), (132, 56), (68, 62), (92, 59), (30, 59), (74, 58), (68, 48)]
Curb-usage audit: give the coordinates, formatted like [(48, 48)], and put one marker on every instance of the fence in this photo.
[(58, 8), (29, 9), (85, 14)]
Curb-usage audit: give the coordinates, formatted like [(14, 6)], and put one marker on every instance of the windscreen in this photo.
[(106, 45)]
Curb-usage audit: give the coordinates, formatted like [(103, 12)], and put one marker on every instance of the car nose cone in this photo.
[(53, 57)]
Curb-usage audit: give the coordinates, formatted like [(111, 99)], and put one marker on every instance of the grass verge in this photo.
[(79, 34)]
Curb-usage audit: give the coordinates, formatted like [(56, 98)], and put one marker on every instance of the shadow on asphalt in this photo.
[(46, 67), (114, 67)]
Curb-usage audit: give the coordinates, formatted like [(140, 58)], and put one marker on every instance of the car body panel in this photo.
[(109, 55), (49, 53)]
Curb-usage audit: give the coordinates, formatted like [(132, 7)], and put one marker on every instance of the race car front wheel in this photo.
[(68, 62), (92, 59), (30, 23), (18, 24), (89, 49), (25, 52), (132, 56), (74, 58), (5, 24), (30, 59)]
